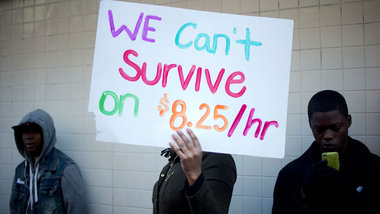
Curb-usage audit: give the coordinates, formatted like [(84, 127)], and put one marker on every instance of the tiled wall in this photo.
[(46, 52)]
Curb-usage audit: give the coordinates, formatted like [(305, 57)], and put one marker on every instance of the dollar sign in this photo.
[(166, 108)]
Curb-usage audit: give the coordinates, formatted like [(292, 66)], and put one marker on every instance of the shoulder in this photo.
[(299, 165), (20, 168), (210, 158), (62, 161), (63, 157), (361, 153), (218, 165)]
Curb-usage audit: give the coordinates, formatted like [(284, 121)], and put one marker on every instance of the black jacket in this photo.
[(210, 194), (359, 167)]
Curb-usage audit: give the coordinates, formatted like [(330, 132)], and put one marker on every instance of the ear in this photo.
[(349, 121)]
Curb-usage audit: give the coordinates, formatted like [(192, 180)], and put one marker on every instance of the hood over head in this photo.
[(46, 125)]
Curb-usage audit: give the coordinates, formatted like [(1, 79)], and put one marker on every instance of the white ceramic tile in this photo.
[(309, 38), (99, 195), (52, 27), (290, 14), (294, 103), (90, 22), (352, 34), (17, 16), (268, 5), (271, 166), (331, 36), (215, 5), (373, 144), (373, 101), (268, 186), (355, 101), (309, 17), (372, 54), (237, 205), (293, 125), (295, 82), (353, 57), (306, 142), (271, 14), (332, 58), (29, 14), (253, 205), (308, 3), (76, 8), (311, 80), (358, 124), (40, 12), (372, 78), (372, 33), (99, 208), (76, 24), (52, 11), (231, 6), (371, 11), (64, 25), (238, 187), (330, 15), (310, 59), (284, 4), (332, 79), (293, 146), (354, 79), (328, 2), (252, 186), (372, 124), (352, 13)]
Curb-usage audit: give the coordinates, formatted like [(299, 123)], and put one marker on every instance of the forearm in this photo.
[(73, 191), (205, 200)]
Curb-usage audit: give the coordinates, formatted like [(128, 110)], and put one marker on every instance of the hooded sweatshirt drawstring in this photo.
[(33, 190)]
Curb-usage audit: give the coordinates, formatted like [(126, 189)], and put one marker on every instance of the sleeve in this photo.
[(287, 195), (12, 202), (73, 190), (213, 195)]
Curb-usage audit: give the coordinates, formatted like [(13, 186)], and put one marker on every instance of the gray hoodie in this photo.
[(72, 185)]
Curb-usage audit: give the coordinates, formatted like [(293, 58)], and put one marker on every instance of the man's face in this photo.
[(330, 130), (33, 142)]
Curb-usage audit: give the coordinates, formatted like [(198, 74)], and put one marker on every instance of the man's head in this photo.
[(32, 138), (329, 120)]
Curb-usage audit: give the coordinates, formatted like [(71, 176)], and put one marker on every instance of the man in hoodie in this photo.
[(48, 181)]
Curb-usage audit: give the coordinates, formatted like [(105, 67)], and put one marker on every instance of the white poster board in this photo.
[(158, 69)]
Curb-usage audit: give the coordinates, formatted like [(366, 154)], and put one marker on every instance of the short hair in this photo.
[(327, 100)]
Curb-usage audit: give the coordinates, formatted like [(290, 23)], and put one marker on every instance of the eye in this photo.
[(319, 129), (336, 127)]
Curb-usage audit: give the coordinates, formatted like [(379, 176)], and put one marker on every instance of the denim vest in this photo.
[(50, 199)]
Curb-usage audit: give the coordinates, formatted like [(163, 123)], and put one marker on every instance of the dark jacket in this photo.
[(359, 169), (54, 179), (210, 194)]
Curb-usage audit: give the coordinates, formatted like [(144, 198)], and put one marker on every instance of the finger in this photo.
[(177, 150), (185, 139), (194, 138), (179, 142)]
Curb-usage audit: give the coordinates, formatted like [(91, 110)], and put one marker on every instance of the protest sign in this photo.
[(159, 69)]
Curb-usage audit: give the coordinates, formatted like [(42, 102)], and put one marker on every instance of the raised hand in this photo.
[(190, 153)]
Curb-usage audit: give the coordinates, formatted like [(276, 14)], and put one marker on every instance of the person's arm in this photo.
[(209, 187), (13, 201), (287, 196), (215, 192), (73, 190)]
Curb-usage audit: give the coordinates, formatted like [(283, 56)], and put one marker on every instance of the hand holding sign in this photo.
[(190, 153)]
